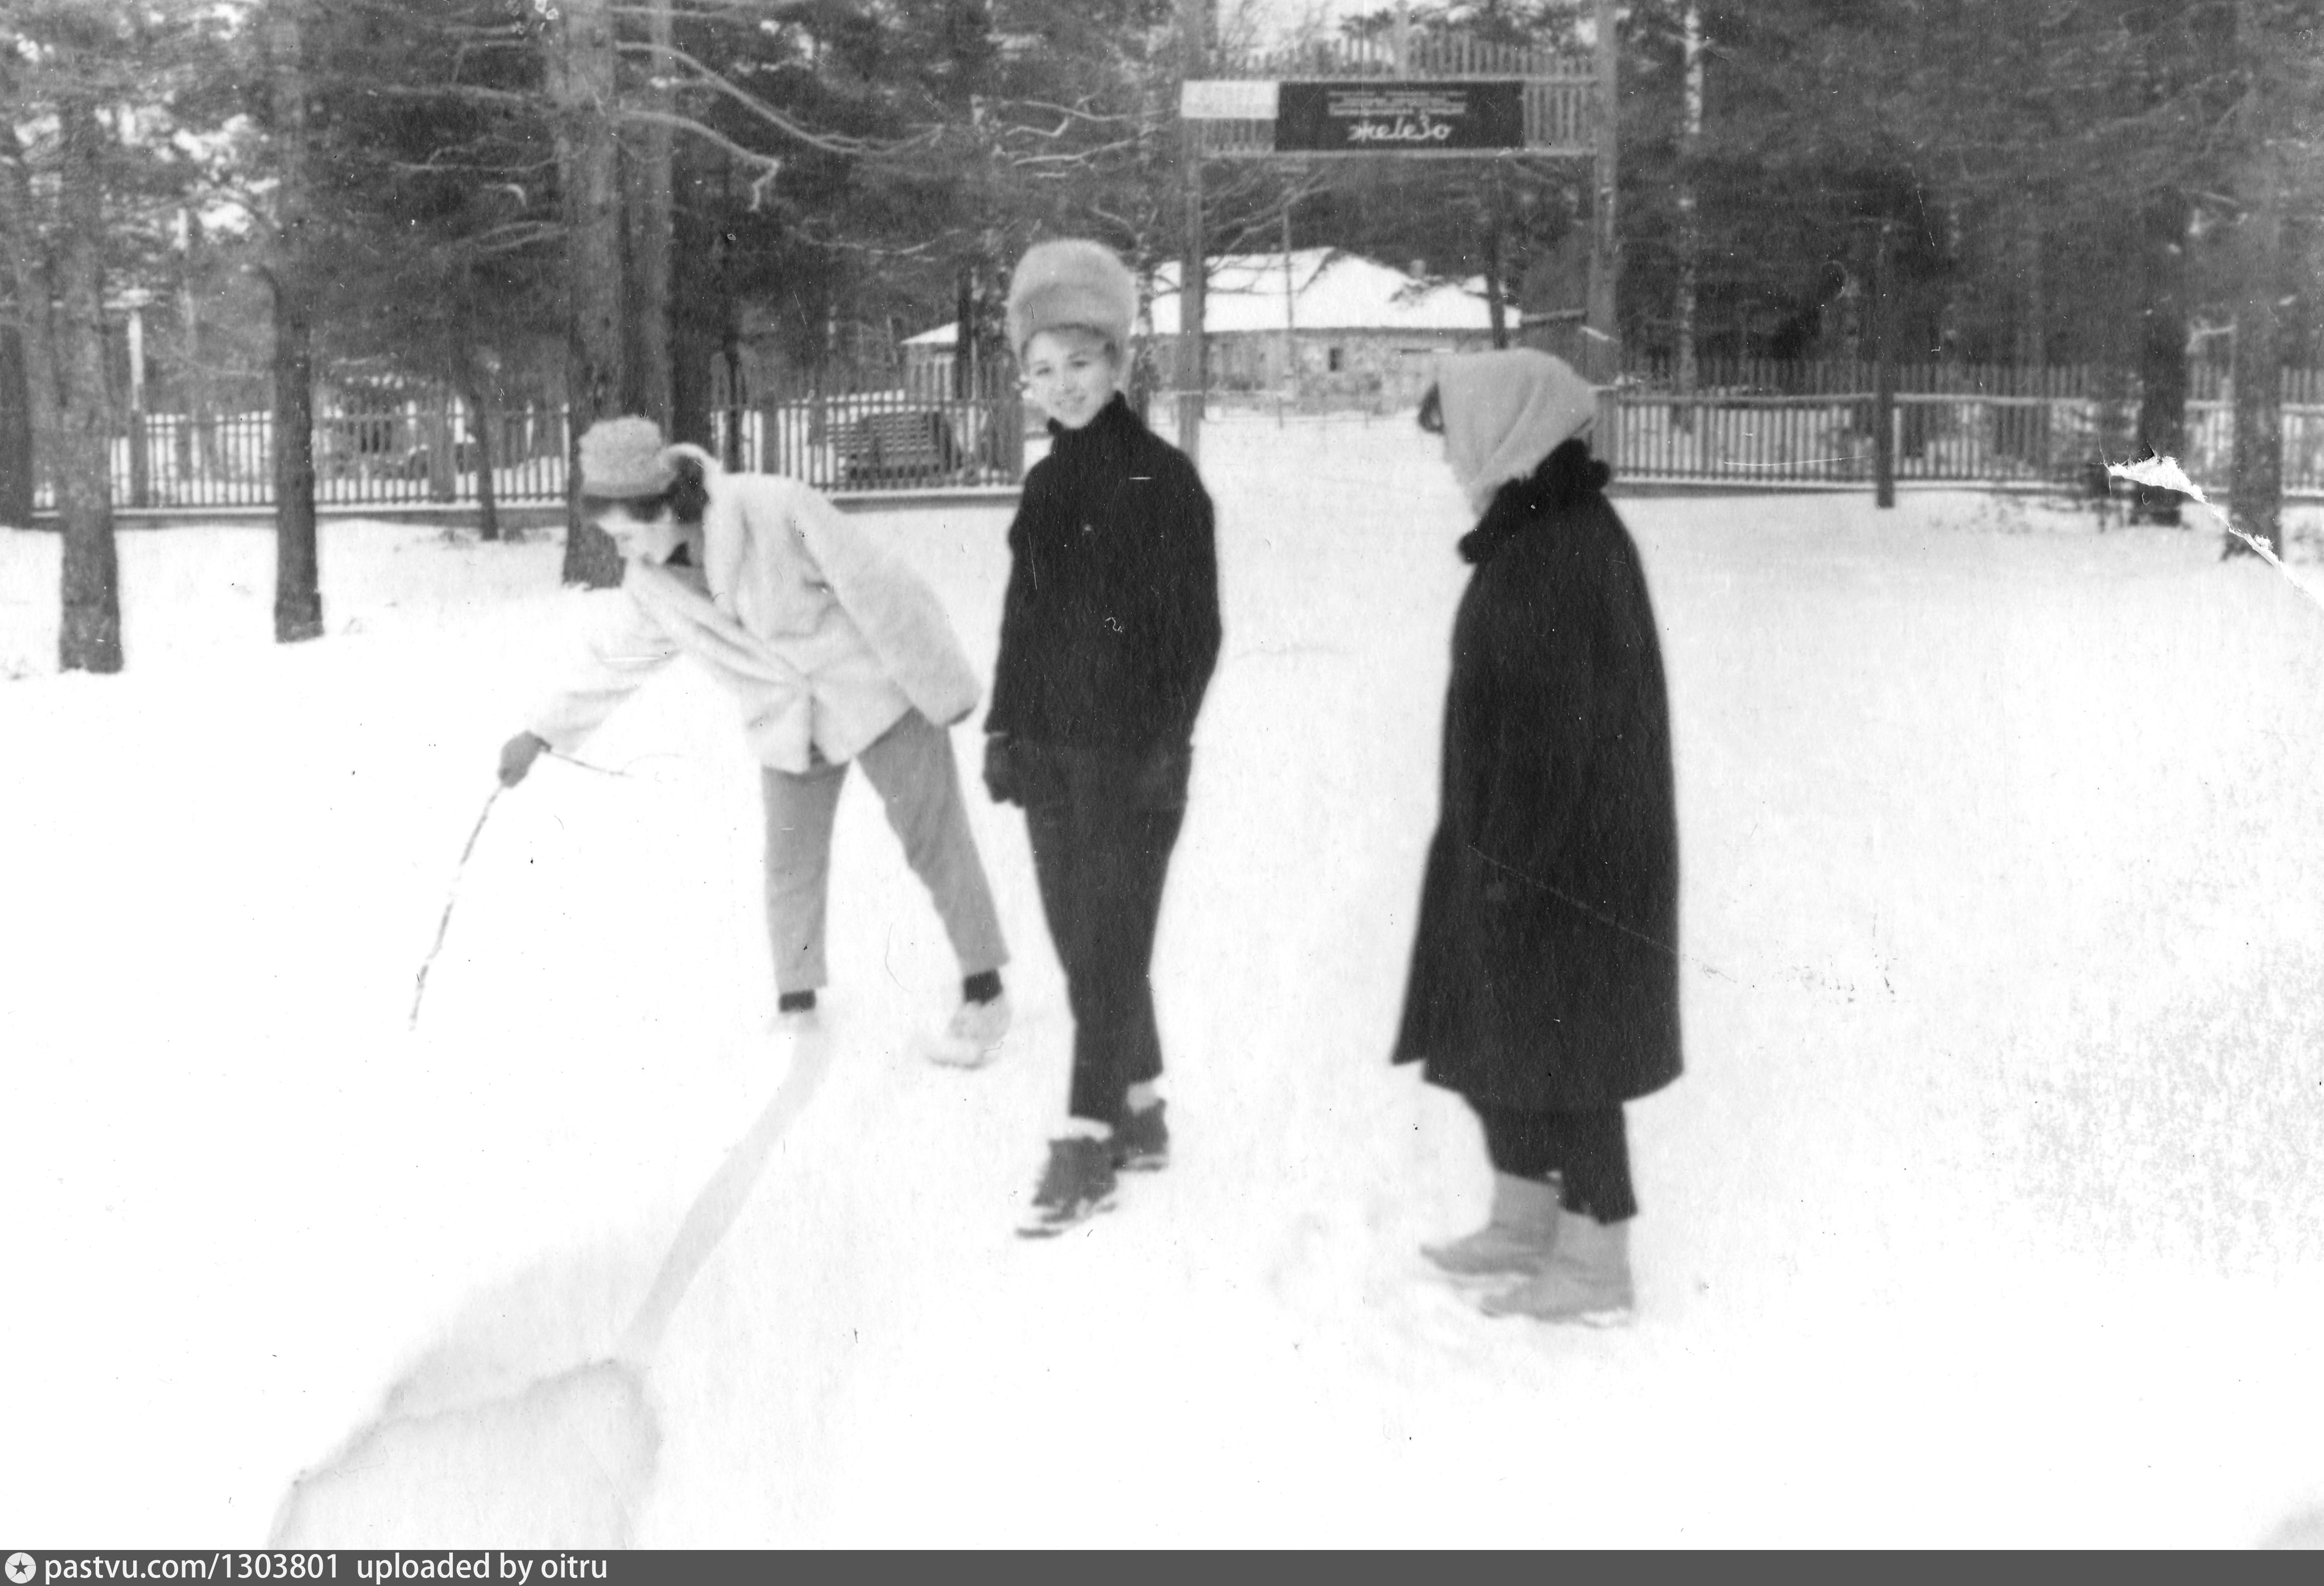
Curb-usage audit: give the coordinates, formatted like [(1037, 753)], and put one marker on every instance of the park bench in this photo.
[(914, 447)]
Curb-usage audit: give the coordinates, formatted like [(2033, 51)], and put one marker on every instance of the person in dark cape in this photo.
[(1544, 987)]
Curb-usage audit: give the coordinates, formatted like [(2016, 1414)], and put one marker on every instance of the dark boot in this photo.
[(1078, 1184), (1141, 1141)]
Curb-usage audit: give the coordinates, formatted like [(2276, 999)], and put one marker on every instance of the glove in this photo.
[(1162, 778), (518, 755), (1001, 770)]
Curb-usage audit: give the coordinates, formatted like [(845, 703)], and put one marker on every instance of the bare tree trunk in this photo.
[(1883, 368), (1689, 228), (963, 340), (2030, 427), (2162, 347), (696, 312), (196, 440), (30, 283), (484, 450), (17, 478), (298, 575), (88, 637), (766, 457), (581, 86), (730, 352), (1490, 202), (1604, 337), (1194, 346), (298, 572), (2257, 481), (2032, 312), (649, 253), (443, 446)]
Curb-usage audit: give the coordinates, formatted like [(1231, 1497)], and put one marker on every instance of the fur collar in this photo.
[(1567, 479)]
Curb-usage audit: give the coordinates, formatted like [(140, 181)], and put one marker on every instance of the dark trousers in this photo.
[(1590, 1152), (1102, 860)]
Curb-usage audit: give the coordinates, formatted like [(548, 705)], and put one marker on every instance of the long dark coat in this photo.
[(1545, 973)]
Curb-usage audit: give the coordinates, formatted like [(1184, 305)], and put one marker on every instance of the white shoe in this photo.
[(974, 1034)]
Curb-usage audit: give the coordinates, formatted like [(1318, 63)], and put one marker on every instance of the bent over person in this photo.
[(1544, 976), (836, 654), (1109, 631)]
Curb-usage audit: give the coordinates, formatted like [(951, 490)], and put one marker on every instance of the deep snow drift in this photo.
[(1989, 1210)]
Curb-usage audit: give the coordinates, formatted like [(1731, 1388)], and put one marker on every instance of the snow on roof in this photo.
[(1335, 291)]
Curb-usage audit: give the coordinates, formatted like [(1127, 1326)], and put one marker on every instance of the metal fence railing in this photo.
[(1816, 424), (899, 430), (881, 439), (916, 428), (413, 456)]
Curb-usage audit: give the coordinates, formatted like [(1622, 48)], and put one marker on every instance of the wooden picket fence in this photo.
[(410, 457), (887, 429), (1753, 422), (1744, 423), (911, 427)]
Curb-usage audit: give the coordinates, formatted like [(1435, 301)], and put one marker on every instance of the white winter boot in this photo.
[(1587, 1279), (1519, 1235), (973, 1035)]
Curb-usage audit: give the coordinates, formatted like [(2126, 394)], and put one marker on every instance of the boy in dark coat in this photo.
[(1109, 632), (1544, 983)]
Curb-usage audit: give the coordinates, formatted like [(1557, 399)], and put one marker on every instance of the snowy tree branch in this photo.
[(705, 76)]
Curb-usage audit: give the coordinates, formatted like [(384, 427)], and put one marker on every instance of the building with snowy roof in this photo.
[(1318, 327)]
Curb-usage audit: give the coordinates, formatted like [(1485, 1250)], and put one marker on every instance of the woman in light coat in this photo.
[(836, 652)]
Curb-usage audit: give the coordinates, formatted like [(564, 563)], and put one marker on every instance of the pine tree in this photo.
[(290, 273), (89, 636), (92, 99), (579, 40)]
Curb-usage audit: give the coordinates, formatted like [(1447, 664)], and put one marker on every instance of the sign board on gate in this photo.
[(1227, 99), (1389, 116)]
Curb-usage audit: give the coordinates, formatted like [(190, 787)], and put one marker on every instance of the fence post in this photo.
[(1608, 443)]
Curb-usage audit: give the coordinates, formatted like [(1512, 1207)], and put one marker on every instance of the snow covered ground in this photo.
[(1989, 1211)]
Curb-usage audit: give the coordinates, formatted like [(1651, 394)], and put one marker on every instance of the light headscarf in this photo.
[(1504, 411)]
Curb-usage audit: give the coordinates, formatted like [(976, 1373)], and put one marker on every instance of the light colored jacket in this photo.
[(825, 636)]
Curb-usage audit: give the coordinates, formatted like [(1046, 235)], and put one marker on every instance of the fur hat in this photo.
[(1070, 281), (625, 460)]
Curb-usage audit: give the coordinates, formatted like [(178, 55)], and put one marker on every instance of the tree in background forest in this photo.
[(518, 200), (2273, 143), (565, 147), (1518, 224), (289, 269), (436, 215), (95, 104)]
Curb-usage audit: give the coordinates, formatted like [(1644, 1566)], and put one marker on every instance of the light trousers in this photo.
[(912, 769)]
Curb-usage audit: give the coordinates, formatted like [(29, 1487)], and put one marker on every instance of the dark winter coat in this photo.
[(1546, 973), (1110, 628)]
